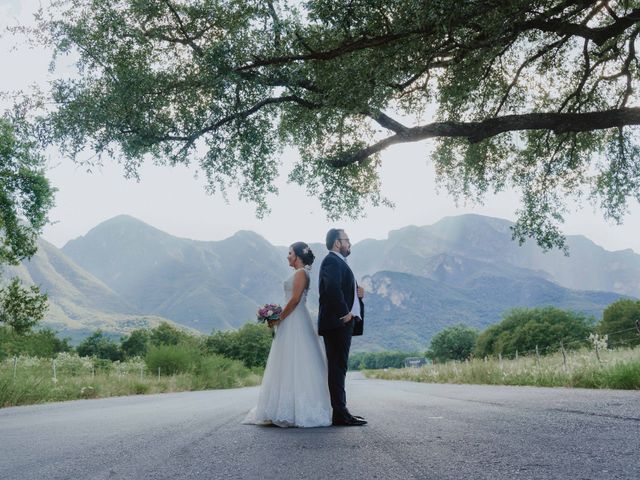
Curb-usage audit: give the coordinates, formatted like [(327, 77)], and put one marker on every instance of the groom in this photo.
[(340, 304)]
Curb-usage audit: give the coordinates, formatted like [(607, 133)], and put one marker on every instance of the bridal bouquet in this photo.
[(269, 312)]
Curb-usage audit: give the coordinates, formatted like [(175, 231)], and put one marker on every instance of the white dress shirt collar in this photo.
[(340, 255)]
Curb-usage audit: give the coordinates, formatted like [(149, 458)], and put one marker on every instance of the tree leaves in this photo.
[(25, 200), (528, 94), (21, 308)]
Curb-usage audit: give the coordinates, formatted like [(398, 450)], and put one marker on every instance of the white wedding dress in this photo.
[(294, 390)]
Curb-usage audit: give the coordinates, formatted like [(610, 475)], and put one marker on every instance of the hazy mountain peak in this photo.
[(421, 279), (474, 218), (471, 227), (248, 236), (401, 232), (122, 221)]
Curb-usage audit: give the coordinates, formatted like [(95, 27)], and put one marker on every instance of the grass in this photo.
[(617, 369), (79, 378)]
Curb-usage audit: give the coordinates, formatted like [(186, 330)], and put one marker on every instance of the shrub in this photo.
[(136, 344), (72, 364), (216, 371), (140, 388), (376, 360), (621, 316), (523, 328), (453, 343), (102, 365), (250, 344), (39, 343), (100, 346), (172, 359), (165, 334)]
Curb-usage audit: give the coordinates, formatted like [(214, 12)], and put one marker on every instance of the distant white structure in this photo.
[(415, 362)]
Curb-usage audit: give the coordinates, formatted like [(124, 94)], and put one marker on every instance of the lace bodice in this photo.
[(288, 287)]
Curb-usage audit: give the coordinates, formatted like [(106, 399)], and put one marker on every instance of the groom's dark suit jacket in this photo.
[(337, 289)]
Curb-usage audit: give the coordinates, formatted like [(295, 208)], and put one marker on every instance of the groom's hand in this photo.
[(347, 318), (360, 292)]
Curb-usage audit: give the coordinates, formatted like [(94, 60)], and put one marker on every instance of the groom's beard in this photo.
[(345, 251)]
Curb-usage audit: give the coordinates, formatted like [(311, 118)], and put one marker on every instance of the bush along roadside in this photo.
[(616, 369), (28, 380)]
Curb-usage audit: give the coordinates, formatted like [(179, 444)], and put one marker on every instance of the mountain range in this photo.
[(125, 274)]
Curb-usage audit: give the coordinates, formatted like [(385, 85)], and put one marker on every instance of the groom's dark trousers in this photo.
[(337, 293), (337, 343)]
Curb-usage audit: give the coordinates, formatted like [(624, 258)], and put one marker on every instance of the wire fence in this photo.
[(597, 341), (71, 365)]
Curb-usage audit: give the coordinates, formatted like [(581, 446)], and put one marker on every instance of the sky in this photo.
[(173, 199)]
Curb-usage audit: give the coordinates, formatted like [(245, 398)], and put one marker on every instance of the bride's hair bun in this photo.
[(303, 251)]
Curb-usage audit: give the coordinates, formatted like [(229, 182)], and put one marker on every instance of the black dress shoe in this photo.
[(348, 422), (348, 414)]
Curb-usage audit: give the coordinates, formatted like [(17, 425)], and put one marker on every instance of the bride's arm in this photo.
[(299, 284)]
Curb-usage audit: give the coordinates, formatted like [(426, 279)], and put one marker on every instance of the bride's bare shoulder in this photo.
[(301, 275)]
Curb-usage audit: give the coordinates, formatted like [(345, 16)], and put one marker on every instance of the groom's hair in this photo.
[(332, 236)]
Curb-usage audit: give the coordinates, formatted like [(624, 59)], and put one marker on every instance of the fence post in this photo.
[(537, 356), (15, 366), (55, 376), (500, 358), (141, 372), (158, 373), (595, 344), (516, 353), (638, 326), (564, 357)]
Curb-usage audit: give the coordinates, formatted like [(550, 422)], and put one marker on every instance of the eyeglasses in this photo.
[(345, 239)]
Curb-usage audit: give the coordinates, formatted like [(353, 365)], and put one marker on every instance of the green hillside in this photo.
[(78, 302), (204, 285), (125, 274), (404, 311)]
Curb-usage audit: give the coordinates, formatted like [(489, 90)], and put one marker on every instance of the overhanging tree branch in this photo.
[(598, 35), (347, 47), (190, 139), (478, 131), (187, 38)]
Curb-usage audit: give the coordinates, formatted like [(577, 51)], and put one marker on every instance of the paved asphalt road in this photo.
[(415, 431)]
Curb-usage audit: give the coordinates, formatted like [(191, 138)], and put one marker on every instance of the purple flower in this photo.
[(269, 312)]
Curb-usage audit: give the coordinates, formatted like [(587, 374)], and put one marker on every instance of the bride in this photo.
[(294, 390)]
